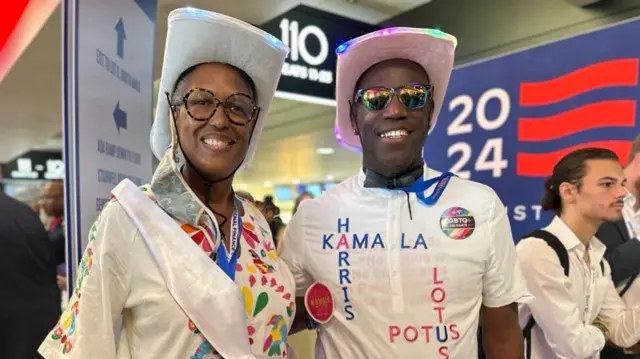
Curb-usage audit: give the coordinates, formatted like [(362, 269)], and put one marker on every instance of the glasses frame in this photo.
[(394, 92), (217, 102)]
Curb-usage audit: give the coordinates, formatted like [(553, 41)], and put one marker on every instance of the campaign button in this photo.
[(319, 302), (457, 223)]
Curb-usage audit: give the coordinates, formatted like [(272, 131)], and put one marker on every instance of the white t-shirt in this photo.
[(406, 285)]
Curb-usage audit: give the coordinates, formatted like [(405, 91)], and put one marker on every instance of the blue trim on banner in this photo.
[(76, 110), (150, 8), (65, 142)]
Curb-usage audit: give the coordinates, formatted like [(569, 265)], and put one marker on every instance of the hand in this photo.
[(62, 282), (633, 350), (603, 328)]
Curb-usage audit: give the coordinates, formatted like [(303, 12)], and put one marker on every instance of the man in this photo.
[(52, 203), (399, 260), (623, 244), (29, 299), (577, 308)]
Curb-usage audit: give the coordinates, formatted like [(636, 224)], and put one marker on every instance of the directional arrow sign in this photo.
[(120, 118), (121, 36)]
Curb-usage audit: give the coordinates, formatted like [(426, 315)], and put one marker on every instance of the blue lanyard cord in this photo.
[(227, 261), (420, 186)]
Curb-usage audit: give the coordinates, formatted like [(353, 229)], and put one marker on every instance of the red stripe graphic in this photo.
[(11, 13), (619, 113), (622, 72), (541, 164)]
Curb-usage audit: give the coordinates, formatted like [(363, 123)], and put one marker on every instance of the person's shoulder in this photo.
[(13, 204), (481, 199), (472, 188), (114, 218), (532, 247), (13, 208), (329, 197)]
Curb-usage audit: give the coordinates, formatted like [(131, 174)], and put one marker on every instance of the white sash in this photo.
[(204, 292)]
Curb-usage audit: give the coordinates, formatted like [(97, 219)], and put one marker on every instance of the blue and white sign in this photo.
[(507, 121), (108, 85)]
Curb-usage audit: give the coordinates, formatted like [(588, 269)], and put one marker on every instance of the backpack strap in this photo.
[(563, 256), (526, 333), (629, 283), (557, 246)]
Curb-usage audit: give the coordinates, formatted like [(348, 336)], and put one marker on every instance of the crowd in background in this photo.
[(271, 212)]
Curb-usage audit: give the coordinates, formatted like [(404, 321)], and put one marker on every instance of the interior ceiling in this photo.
[(31, 99)]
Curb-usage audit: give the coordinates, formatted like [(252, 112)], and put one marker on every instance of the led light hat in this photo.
[(432, 49), (197, 36)]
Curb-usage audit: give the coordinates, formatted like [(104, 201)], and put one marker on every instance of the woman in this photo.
[(189, 266)]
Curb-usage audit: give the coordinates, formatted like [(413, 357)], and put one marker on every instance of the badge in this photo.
[(457, 223), (319, 302)]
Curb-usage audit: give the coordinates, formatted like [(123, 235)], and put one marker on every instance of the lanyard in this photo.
[(587, 302), (420, 186), (227, 261)]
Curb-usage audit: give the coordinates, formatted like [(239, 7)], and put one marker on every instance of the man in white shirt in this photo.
[(577, 309), (623, 244), (399, 260)]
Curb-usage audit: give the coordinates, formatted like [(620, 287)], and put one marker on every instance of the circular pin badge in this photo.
[(457, 223), (319, 302)]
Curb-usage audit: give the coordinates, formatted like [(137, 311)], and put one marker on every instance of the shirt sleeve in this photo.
[(503, 282), (86, 328), (622, 322), (554, 309), (294, 251)]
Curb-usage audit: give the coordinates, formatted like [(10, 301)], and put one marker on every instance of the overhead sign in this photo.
[(35, 165), (108, 83), (312, 35), (507, 121)]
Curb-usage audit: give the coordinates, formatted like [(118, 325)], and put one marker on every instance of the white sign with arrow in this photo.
[(108, 83)]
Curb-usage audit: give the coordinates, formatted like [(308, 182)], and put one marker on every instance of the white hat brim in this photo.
[(433, 50), (197, 36)]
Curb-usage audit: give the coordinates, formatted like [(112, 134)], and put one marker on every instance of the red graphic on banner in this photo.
[(12, 11), (619, 113), (595, 115), (622, 72), (541, 164)]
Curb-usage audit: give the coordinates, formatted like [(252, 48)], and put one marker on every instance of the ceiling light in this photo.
[(268, 184), (329, 178), (295, 181), (325, 151)]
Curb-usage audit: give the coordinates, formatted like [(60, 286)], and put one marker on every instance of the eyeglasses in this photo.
[(201, 105), (412, 96)]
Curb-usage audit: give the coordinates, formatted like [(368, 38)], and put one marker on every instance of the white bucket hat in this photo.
[(432, 49), (197, 36)]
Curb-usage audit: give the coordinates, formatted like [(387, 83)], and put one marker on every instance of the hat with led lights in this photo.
[(197, 36), (432, 49)]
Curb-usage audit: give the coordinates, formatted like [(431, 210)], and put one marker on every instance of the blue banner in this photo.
[(506, 121)]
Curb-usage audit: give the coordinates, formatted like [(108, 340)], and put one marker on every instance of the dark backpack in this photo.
[(557, 246)]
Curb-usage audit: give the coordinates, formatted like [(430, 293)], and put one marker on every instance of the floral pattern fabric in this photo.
[(261, 287), (86, 327)]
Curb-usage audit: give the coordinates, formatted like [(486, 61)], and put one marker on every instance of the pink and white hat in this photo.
[(431, 49)]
